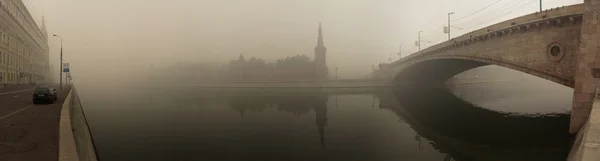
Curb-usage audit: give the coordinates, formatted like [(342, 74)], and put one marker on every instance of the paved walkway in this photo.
[(29, 132), (14, 88)]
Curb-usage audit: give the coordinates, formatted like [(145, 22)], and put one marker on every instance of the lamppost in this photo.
[(418, 43), (336, 73), (449, 24), (399, 51), (61, 59)]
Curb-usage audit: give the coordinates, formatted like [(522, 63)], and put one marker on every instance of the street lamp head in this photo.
[(451, 13), (55, 35)]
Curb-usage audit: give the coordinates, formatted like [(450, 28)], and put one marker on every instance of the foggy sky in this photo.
[(101, 37)]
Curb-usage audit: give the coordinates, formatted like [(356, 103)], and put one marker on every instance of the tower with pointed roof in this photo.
[(241, 58), (320, 61), (43, 28)]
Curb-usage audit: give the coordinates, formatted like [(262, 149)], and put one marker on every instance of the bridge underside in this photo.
[(560, 45), (434, 72)]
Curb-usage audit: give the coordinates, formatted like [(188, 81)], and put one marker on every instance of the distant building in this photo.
[(295, 68), (237, 68), (320, 61), (23, 45)]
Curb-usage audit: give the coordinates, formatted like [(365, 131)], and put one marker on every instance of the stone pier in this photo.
[(587, 76)]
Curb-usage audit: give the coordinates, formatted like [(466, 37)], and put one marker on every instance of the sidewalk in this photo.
[(15, 88)]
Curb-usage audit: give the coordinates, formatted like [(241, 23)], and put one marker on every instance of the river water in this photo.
[(477, 122)]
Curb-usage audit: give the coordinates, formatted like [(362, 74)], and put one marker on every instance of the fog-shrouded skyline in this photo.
[(111, 36)]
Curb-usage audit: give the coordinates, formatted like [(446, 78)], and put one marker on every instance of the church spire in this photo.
[(320, 57), (43, 22), (43, 27), (320, 39), (241, 58)]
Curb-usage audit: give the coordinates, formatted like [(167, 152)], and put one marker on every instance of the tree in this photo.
[(298, 61)]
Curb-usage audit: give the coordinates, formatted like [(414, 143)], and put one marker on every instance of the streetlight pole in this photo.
[(336, 73), (400, 51), (419, 41), (6, 73), (449, 24), (540, 5), (61, 58)]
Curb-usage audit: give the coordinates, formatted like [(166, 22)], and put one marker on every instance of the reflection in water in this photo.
[(463, 130), (298, 104), (425, 124)]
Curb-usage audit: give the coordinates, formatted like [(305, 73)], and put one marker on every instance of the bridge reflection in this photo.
[(468, 132)]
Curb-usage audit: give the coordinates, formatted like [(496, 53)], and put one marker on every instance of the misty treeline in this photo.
[(291, 68)]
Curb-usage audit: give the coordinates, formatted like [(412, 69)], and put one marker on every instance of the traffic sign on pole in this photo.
[(66, 67)]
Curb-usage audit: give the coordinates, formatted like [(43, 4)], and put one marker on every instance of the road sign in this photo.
[(66, 67)]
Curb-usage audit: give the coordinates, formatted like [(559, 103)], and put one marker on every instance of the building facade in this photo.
[(24, 56)]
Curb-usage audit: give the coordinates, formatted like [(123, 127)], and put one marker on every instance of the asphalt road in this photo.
[(28, 132)]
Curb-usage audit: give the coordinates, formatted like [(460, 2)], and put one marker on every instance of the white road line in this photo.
[(15, 92), (10, 114)]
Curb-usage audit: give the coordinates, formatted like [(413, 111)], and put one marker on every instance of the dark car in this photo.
[(44, 94)]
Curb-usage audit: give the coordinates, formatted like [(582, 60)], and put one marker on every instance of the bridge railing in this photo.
[(499, 27)]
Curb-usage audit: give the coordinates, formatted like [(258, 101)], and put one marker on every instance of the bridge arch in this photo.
[(546, 45), (436, 70)]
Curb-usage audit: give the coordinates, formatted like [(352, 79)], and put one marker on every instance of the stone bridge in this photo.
[(559, 44)]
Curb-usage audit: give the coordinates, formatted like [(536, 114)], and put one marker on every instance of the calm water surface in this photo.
[(410, 123)]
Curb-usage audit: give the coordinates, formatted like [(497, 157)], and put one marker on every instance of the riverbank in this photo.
[(469, 82), (347, 84)]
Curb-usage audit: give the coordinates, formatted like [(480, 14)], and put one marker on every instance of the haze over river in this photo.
[(479, 122)]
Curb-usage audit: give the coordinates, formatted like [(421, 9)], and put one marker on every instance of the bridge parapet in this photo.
[(75, 138), (555, 16)]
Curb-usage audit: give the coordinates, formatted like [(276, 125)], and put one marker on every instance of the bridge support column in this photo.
[(587, 76)]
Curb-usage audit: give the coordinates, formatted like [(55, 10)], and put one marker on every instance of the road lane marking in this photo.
[(15, 91), (10, 114)]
